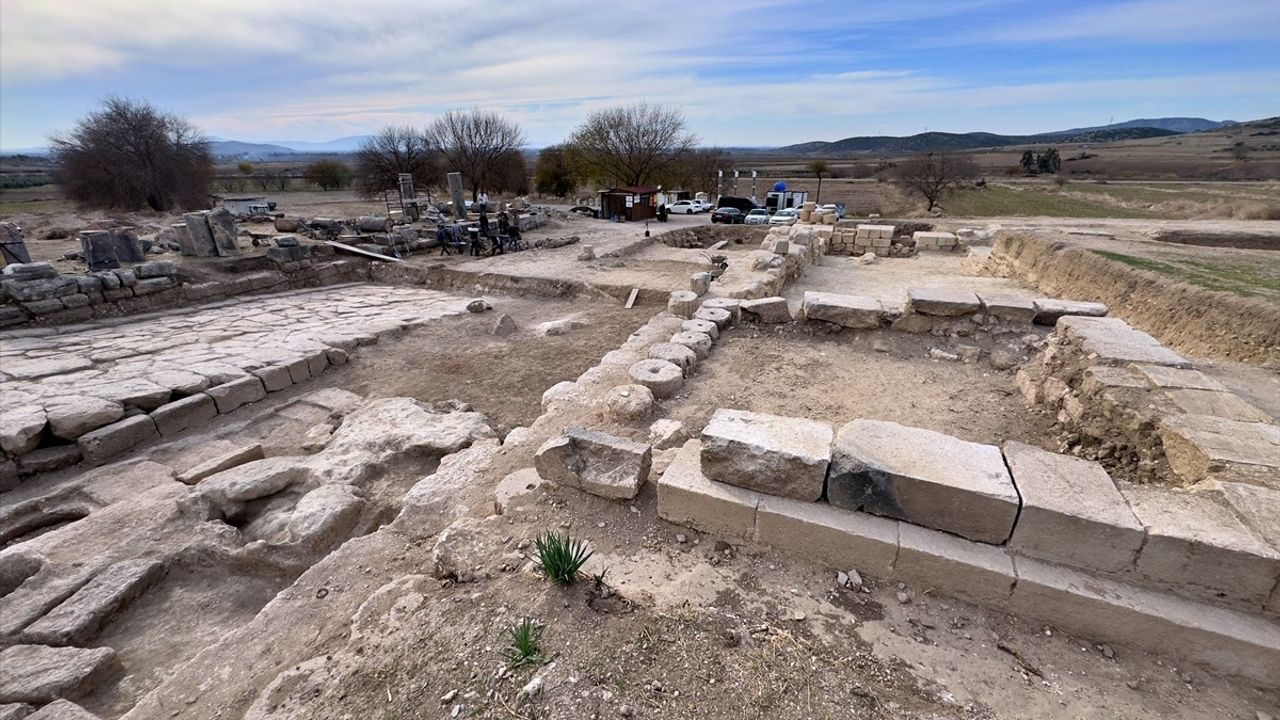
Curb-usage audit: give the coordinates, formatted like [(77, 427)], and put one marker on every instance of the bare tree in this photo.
[(394, 150), (699, 170), (483, 146), (818, 168), (130, 155), (631, 145), (934, 174)]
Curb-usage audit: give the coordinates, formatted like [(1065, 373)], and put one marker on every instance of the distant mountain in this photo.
[(237, 149), (1174, 124), (341, 145), (924, 142)]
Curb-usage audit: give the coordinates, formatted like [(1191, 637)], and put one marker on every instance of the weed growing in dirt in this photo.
[(598, 579), (524, 643), (562, 556)]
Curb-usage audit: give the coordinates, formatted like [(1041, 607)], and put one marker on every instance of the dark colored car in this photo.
[(730, 215), (744, 204)]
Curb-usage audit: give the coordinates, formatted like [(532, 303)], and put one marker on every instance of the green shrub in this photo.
[(524, 643), (561, 556)]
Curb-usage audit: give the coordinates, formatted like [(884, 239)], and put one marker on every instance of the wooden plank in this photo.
[(360, 251), (635, 292)]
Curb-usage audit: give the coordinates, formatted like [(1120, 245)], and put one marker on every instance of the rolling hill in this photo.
[(932, 141)]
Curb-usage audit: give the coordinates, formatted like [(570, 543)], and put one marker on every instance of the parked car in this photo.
[(837, 208), (683, 207), (730, 215), (702, 206), (744, 204), (759, 216), (787, 216)]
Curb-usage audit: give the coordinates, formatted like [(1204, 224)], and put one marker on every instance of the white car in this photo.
[(787, 216), (702, 206), (837, 208), (684, 207), (759, 216)]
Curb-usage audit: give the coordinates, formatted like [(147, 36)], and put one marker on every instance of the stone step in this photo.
[(80, 618)]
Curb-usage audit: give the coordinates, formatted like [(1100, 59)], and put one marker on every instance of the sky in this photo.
[(744, 72)]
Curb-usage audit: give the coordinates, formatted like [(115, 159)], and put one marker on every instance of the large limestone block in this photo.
[(1012, 309), (110, 440), (599, 463), (1072, 512), (662, 378), (972, 571), (40, 674), (1089, 606), (770, 310), (80, 618), (687, 497), (20, 428), (777, 455), (1114, 342), (851, 311), (923, 477), (1200, 447), (1048, 310), (76, 415), (1216, 404), (838, 538), (1199, 548), (172, 418), (231, 395), (1257, 507), (943, 301)]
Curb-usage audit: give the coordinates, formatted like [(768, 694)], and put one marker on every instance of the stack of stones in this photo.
[(106, 249), (935, 241), (811, 213), (864, 239), (39, 291)]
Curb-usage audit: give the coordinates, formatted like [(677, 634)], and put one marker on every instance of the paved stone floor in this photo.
[(143, 361)]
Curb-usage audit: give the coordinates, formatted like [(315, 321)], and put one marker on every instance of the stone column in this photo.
[(459, 199), (99, 249)]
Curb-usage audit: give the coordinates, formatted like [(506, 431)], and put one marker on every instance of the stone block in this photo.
[(27, 291), (721, 317), (1200, 447), (682, 303), (39, 674), (1048, 310), (629, 402), (20, 428), (1216, 404), (231, 395), (202, 244), (681, 355), (273, 377), (137, 392), (1109, 611), (943, 301), (49, 459), (29, 270), (1164, 377), (128, 246), (222, 226), (770, 310), (1072, 512), (731, 305), (599, 463), (76, 415), (1116, 343), (226, 461), (923, 477), (1198, 548), (1011, 309), (687, 497), (700, 283), (706, 327), (106, 442), (79, 618), (662, 378), (837, 538), (172, 418), (155, 269), (699, 343), (968, 570), (777, 455), (851, 311), (98, 249), (149, 286)]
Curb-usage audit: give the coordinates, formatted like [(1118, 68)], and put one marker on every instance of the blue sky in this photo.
[(748, 72)]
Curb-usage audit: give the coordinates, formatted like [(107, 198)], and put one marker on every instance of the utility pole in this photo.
[(754, 175)]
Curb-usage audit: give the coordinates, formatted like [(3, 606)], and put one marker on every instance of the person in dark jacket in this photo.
[(484, 224)]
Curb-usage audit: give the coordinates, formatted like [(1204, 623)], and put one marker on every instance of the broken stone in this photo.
[(681, 355), (1008, 309), (20, 428), (851, 311), (231, 395), (139, 393), (772, 454), (226, 461), (771, 310), (599, 463), (1200, 447), (936, 354), (699, 343), (460, 550), (172, 418), (504, 326), (667, 433), (48, 459), (1161, 376), (222, 227), (202, 244), (923, 477), (99, 250), (721, 317), (559, 327), (63, 710), (76, 415), (1048, 310), (478, 306), (733, 306), (662, 378), (1072, 512), (943, 301), (564, 390), (630, 402), (1116, 343), (700, 283), (39, 674), (79, 618)]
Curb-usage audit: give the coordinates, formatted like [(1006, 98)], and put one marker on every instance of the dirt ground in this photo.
[(878, 375)]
